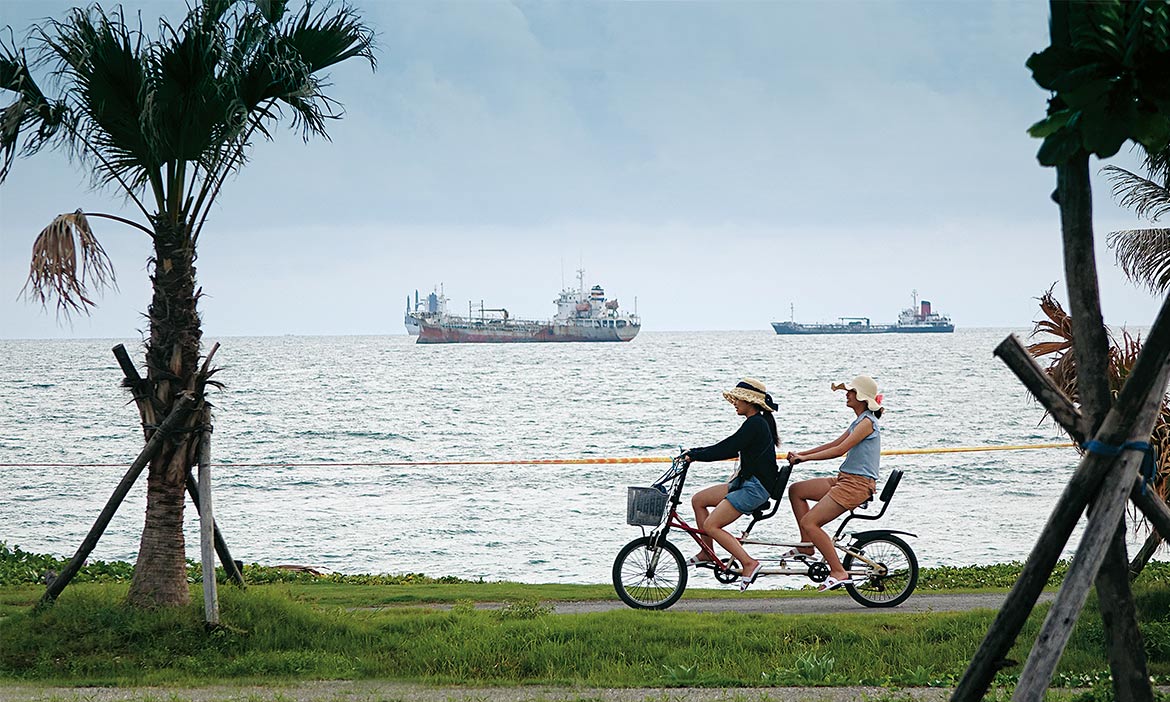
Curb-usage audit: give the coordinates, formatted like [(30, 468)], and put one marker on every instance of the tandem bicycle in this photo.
[(650, 572)]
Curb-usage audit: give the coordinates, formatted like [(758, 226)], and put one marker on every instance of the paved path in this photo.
[(820, 604), (382, 691)]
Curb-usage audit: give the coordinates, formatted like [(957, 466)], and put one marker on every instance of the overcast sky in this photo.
[(722, 163)]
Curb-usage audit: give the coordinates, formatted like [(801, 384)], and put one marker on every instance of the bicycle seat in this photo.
[(768, 509), (884, 498)]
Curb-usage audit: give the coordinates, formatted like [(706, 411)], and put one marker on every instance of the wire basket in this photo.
[(644, 506)]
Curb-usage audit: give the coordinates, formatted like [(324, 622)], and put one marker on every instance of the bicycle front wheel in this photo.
[(892, 580), (649, 579)]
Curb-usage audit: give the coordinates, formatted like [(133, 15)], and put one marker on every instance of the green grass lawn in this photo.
[(288, 627), (287, 632)]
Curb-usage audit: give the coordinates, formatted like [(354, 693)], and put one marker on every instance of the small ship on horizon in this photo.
[(916, 319)]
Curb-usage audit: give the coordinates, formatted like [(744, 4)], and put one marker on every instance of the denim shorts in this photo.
[(747, 495)]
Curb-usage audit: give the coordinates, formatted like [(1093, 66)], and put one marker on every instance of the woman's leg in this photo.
[(721, 516), (702, 502), (825, 511), (799, 494)]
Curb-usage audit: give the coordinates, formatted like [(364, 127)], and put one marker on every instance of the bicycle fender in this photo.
[(880, 532)]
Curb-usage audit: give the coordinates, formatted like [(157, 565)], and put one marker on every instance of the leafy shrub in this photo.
[(19, 567)]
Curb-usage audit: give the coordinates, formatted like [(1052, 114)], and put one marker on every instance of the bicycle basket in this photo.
[(644, 506)]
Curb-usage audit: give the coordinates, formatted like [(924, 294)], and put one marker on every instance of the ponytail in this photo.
[(772, 426), (878, 412)]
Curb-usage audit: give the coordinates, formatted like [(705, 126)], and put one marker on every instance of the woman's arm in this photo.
[(835, 449), (831, 444), (728, 448)]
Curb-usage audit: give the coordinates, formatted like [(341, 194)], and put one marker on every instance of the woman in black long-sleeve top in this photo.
[(755, 444)]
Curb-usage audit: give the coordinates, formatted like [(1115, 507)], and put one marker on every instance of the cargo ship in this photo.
[(916, 319), (581, 316), (433, 306)]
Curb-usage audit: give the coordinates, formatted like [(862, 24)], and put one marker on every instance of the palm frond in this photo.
[(1146, 198), (66, 260), (305, 46), (1057, 324), (1157, 166), (31, 114), (101, 61), (1144, 256)]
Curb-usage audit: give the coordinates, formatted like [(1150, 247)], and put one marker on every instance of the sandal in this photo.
[(832, 583), (795, 552), (751, 577), (696, 561)]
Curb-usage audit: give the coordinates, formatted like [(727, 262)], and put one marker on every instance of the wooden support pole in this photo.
[(1153, 509), (221, 547), (988, 658), (207, 524), (176, 417), (1099, 533), (1012, 352), (1065, 413), (1128, 664), (142, 398), (137, 389), (1117, 609)]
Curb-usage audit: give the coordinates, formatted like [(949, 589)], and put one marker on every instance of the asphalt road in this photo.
[(382, 691), (821, 604)]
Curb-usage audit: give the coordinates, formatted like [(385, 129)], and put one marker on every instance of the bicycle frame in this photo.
[(815, 570)]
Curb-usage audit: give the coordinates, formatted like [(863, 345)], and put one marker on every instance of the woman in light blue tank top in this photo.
[(855, 482)]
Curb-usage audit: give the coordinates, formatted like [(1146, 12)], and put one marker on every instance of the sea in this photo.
[(305, 426)]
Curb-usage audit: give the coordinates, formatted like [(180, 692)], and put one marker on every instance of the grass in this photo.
[(90, 637), (288, 627)]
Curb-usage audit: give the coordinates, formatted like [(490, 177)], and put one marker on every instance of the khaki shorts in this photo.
[(850, 490)]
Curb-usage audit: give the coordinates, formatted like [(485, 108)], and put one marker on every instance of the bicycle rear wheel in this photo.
[(893, 581), (649, 579)]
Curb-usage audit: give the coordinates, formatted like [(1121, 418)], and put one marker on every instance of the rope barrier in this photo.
[(532, 462)]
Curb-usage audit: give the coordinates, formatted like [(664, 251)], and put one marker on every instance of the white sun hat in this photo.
[(866, 389)]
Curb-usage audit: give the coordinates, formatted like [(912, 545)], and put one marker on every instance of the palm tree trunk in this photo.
[(172, 356)]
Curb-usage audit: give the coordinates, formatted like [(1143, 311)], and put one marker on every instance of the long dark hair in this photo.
[(772, 425), (878, 412)]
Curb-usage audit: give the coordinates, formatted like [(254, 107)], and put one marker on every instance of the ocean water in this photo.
[(340, 403)]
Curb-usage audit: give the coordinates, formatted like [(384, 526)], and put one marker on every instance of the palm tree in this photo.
[(1144, 254), (164, 121)]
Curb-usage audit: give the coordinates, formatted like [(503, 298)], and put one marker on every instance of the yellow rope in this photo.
[(546, 461), (969, 449)]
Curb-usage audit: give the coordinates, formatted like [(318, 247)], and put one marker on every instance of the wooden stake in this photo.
[(207, 524), (989, 657), (176, 417), (221, 547), (1127, 663)]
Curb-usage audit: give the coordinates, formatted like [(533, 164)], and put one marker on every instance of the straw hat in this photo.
[(752, 391), (866, 389)]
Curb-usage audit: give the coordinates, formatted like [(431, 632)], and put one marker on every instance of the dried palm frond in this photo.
[(1121, 357), (1058, 324), (56, 273)]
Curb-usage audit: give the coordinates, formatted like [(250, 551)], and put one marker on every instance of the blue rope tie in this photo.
[(1149, 469)]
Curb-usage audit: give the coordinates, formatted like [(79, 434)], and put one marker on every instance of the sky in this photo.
[(718, 165)]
